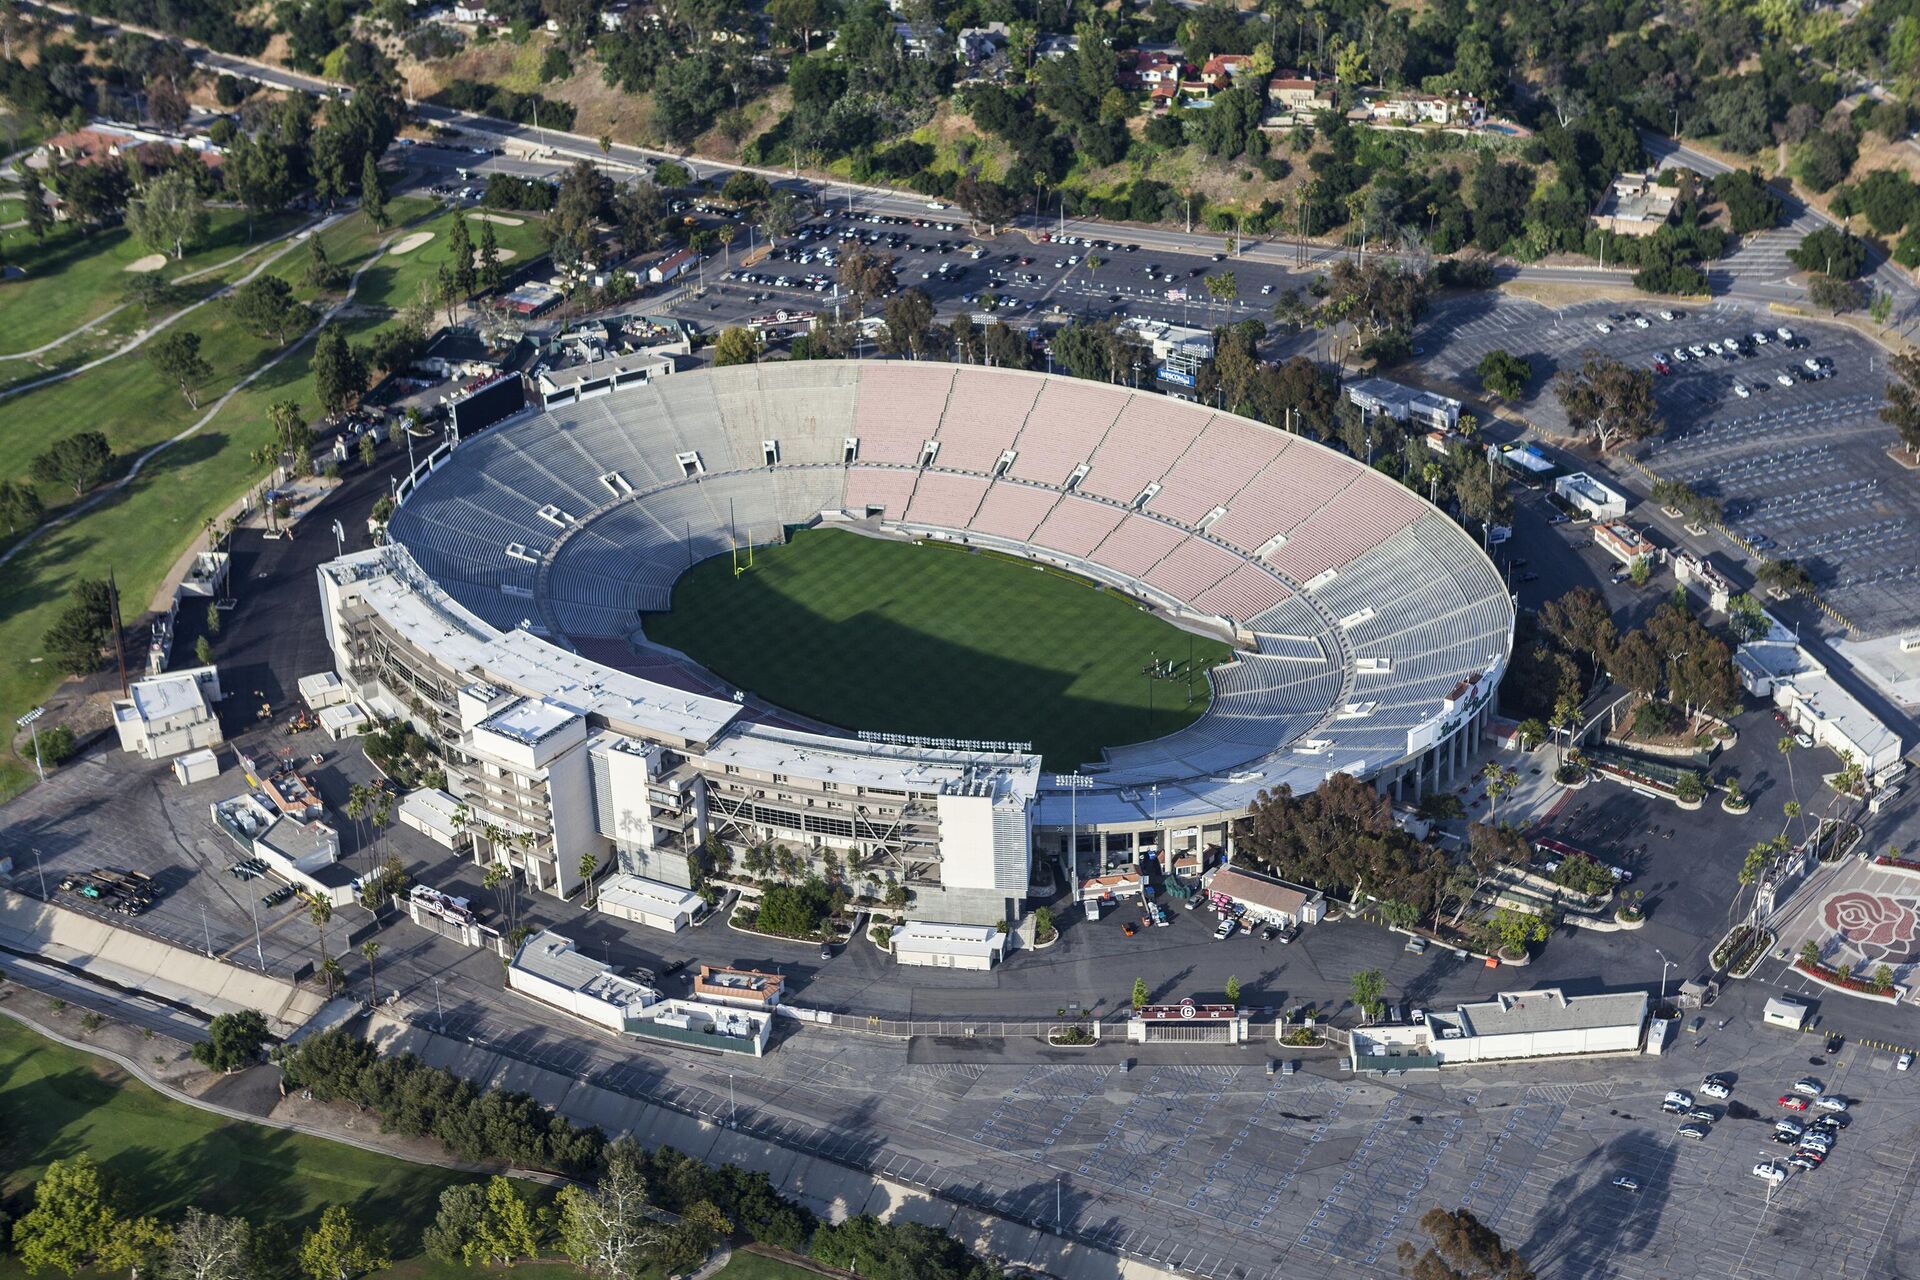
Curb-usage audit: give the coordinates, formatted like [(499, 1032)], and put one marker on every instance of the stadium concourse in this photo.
[(503, 616)]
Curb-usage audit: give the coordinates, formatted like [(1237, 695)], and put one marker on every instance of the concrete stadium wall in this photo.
[(133, 960), (833, 1191)]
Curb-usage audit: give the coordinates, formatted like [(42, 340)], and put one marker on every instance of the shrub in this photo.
[(794, 910)]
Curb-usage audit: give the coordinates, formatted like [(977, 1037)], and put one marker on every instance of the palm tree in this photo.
[(1787, 745), (320, 913), (1433, 473), (332, 972), (588, 865), (359, 800), (1500, 781), (371, 949)]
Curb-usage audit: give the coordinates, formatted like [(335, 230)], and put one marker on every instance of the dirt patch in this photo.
[(409, 243), (498, 220), (152, 262), (1567, 295)]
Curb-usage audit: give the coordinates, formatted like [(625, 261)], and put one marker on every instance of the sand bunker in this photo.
[(409, 243), (499, 255), (152, 262), (497, 219)]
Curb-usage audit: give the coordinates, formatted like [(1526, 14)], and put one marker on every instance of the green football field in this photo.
[(941, 641)]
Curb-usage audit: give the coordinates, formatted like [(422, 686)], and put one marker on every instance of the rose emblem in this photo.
[(1874, 923)]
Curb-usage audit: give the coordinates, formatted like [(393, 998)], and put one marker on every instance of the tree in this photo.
[(1830, 252), (489, 259), (1635, 664), (1902, 409), (206, 1246), (456, 1226), (1140, 994), (609, 1230), (736, 345), (909, 317), (1581, 621), (322, 273), (72, 1220), (168, 214), (1500, 781), (339, 1248), (1367, 988), (1504, 374), (135, 1245), (1462, 1248), (147, 290), (460, 256), (321, 912), (77, 461), (233, 1041), (20, 506), (373, 196), (33, 194), (371, 950), (1513, 930), (75, 639), (1612, 402), (1810, 953), (339, 373), (267, 307), (177, 356), (510, 1229), (1232, 990)]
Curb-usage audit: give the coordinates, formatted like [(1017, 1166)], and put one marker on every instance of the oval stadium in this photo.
[(505, 617)]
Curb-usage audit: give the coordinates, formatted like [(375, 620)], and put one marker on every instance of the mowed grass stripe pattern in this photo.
[(936, 640)]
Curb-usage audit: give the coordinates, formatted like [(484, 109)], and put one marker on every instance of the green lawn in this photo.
[(396, 280), (71, 278), (936, 640), (56, 1102)]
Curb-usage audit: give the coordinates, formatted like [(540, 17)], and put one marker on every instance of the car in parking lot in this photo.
[(1770, 1171), (1740, 389), (1808, 1085), (1793, 1102), (1626, 1184), (1694, 1131), (1834, 1041), (1903, 1063), (1699, 352), (1804, 740), (1785, 334), (1828, 1102), (1603, 326), (1786, 1125), (1784, 377), (1226, 929), (1680, 355), (1715, 1088), (1758, 338), (1803, 1161), (1703, 1115), (1677, 1100)]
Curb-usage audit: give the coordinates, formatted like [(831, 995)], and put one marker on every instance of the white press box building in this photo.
[(505, 616)]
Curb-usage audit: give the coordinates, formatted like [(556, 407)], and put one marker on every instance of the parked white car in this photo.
[(1772, 1172), (1828, 1102)]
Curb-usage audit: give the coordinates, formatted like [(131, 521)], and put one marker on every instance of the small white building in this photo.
[(1377, 396), (1266, 901), (1781, 1012), (672, 266), (1584, 493), (639, 900), (166, 715), (1622, 541), (1777, 667), (432, 813), (196, 766), (548, 968), (323, 689), (948, 946), (1539, 1024), (1696, 571)]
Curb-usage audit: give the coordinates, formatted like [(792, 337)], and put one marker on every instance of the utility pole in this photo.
[(29, 722)]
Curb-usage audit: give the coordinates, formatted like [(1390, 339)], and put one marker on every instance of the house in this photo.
[(1635, 205), (918, 38), (475, 14), (614, 16), (976, 45), (1405, 107), (166, 715), (1376, 396), (1146, 69), (1297, 95), (1222, 69), (1053, 47)]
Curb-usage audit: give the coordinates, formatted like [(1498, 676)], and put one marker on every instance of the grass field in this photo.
[(936, 640), (56, 1102), (71, 278)]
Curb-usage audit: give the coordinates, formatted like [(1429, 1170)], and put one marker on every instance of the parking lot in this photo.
[(1785, 435)]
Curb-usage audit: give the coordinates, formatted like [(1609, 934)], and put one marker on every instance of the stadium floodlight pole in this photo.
[(1074, 784), (339, 539)]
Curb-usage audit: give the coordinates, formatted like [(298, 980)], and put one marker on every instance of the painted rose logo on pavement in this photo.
[(1878, 926)]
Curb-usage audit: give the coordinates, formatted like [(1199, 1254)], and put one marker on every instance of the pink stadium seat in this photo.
[(1245, 592), (899, 409), (946, 501), (1138, 545), (1014, 510), (1150, 434), (1366, 515), (1216, 468), (984, 414), (882, 487), (1076, 526), (1064, 427), (1192, 568)]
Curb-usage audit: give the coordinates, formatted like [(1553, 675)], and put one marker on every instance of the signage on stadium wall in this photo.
[(1178, 376)]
